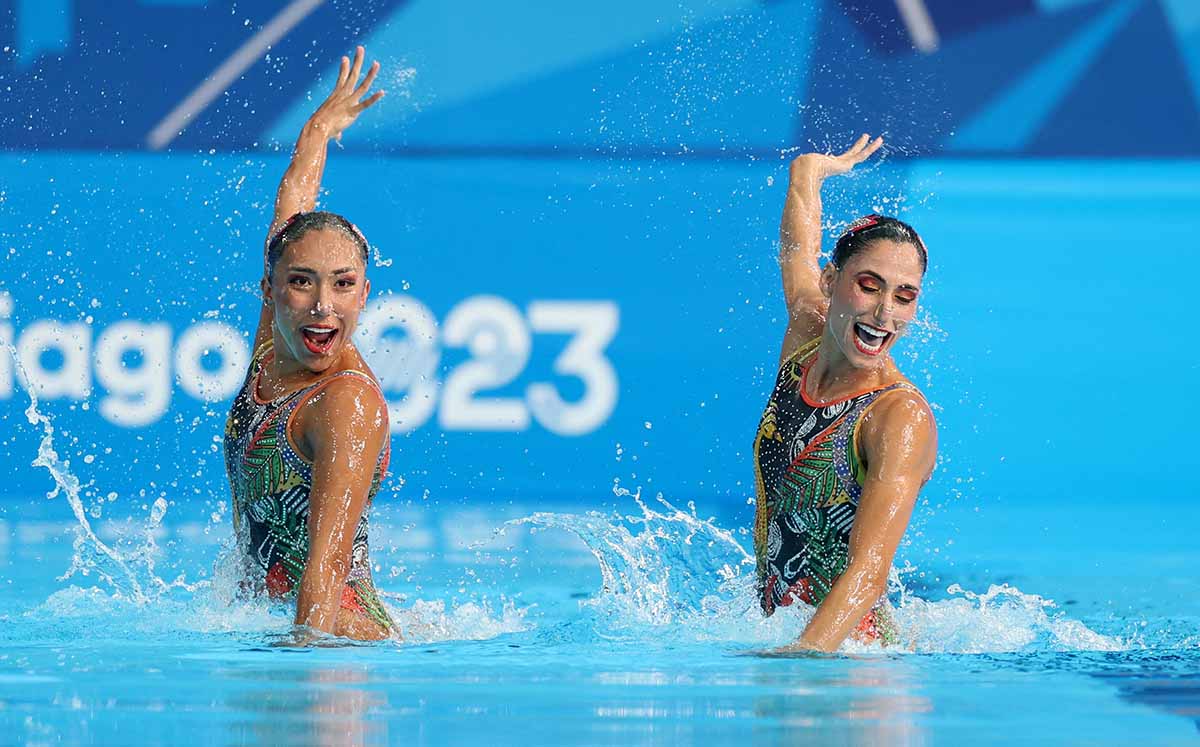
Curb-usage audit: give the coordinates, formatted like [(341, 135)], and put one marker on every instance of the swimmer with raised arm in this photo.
[(846, 442), (306, 442)]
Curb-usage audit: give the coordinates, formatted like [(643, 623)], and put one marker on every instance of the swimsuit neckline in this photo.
[(813, 403), (258, 378), (283, 397)]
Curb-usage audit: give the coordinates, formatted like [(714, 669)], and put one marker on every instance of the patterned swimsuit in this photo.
[(271, 482), (809, 479)]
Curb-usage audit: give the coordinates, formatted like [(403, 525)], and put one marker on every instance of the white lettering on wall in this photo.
[(139, 394)]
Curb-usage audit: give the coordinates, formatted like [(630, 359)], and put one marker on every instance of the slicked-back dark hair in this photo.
[(874, 228), (301, 223)]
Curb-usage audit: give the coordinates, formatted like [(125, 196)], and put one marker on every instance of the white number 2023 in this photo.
[(498, 340)]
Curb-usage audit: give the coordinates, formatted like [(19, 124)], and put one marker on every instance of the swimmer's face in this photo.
[(318, 288), (872, 300)]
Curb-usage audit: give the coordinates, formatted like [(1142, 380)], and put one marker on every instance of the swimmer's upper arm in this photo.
[(266, 318), (805, 323), (344, 427), (898, 436)]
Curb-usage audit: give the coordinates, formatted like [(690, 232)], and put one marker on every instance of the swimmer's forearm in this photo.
[(801, 222), (800, 231), (853, 595), (318, 598), (301, 182)]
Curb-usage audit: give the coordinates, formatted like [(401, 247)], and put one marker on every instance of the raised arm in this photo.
[(344, 428), (800, 238), (899, 439), (301, 182)]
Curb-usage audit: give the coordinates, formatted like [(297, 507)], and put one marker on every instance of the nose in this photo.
[(883, 310), (324, 305)]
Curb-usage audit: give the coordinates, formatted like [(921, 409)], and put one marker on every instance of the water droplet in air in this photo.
[(158, 511)]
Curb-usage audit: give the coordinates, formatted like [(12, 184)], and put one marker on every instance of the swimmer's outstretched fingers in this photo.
[(827, 165), (346, 101)]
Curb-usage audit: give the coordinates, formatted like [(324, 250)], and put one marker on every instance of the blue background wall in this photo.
[(629, 156)]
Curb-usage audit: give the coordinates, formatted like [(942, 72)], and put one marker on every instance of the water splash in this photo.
[(217, 606), (130, 574), (430, 621), (670, 575), (662, 571), (1001, 619)]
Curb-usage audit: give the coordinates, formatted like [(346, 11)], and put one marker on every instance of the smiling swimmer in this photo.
[(845, 442), (306, 441)]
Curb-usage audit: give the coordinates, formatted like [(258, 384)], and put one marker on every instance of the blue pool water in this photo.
[(631, 624)]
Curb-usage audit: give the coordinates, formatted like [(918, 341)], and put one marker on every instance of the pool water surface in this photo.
[(633, 624)]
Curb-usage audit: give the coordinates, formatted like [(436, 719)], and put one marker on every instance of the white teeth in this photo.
[(318, 330), (871, 330)]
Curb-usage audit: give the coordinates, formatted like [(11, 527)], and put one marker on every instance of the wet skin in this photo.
[(315, 294), (858, 311)]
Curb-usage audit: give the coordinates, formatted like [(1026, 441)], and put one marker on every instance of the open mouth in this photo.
[(870, 340), (319, 340)]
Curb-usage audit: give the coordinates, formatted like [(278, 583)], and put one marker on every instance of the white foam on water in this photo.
[(432, 621), (671, 576)]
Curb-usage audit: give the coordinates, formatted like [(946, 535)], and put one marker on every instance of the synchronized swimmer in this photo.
[(306, 441), (843, 447), (845, 442)]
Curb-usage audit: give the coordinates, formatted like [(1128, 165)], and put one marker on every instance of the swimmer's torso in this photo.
[(271, 483), (808, 478)]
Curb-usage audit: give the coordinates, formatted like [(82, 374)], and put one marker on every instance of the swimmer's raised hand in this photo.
[(823, 165), (346, 101)]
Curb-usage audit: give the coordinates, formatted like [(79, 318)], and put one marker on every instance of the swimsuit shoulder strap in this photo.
[(259, 358), (847, 462), (792, 368), (304, 395), (311, 390)]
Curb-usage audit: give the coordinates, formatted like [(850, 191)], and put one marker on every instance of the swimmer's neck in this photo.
[(283, 367), (831, 376)]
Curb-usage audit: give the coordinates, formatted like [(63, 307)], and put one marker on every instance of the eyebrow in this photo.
[(311, 271), (877, 276)]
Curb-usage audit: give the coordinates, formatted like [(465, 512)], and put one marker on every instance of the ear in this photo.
[(828, 279), (366, 292), (266, 289)]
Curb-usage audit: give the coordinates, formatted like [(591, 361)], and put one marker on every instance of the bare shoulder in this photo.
[(345, 407), (352, 398), (359, 363), (901, 407), (899, 432)]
